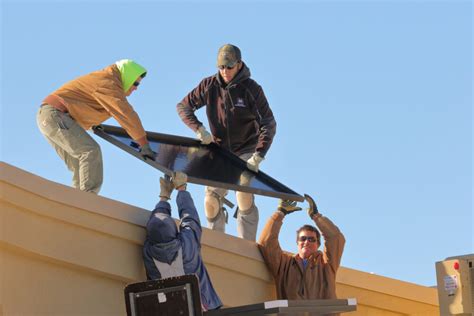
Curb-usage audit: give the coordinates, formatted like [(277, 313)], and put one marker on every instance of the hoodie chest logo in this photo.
[(240, 103)]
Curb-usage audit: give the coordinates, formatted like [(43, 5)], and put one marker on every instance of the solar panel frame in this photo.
[(113, 134)]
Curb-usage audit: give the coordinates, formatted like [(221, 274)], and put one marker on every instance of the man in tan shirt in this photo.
[(66, 114), (309, 274)]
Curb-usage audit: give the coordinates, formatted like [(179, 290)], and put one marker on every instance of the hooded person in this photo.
[(169, 252), (241, 121), (67, 113)]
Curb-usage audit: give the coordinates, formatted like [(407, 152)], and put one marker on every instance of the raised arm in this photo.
[(268, 242), (188, 215), (334, 240), (190, 225)]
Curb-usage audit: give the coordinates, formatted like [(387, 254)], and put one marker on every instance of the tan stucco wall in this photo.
[(67, 252)]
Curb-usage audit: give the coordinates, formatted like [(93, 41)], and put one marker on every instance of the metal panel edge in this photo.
[(101, 131)]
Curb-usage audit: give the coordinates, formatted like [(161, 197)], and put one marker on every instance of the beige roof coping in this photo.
[(211, 239)]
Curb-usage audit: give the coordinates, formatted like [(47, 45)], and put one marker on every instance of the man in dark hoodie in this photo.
[(241, 121), (168, 252)]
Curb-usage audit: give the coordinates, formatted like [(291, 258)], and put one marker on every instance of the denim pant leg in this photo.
[(74, 145)]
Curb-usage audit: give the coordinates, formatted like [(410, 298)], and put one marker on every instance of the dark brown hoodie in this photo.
[(238, 113)]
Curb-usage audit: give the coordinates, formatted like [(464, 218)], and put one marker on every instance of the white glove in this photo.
[(246, 178), (179, 179), (204, 136), (254, 161), (166, 187)]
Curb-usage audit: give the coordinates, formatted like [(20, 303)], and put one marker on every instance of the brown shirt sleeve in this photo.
[(334, 241), (117, 105), (191, 102), (269, 245)]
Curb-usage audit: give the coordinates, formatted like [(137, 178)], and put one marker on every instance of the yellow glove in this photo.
[(313, 208), (288, 207)]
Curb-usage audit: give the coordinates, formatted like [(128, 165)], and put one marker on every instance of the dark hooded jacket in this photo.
[(238, 113), (163, 242)]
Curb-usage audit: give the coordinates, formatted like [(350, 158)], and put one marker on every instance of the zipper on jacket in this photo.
[(303, 286), (227, 116), (302, 272)]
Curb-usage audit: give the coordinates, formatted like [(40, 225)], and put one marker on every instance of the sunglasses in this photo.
[(307, 238), (227, 67), (136, 83)]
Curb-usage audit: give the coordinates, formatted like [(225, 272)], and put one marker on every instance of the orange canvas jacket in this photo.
[(95, 97), (318, 280)]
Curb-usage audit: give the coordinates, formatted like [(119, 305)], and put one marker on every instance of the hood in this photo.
[(164, 252), (129, 71), (162, 236), (242, 75), (161, 228)]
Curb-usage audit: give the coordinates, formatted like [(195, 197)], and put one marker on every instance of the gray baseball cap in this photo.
[(228, 55)]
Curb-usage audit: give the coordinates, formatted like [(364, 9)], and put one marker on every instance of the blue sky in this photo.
[(373, 101)]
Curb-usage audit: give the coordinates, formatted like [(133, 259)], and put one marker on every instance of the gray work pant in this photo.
[(74, 145), (247, 220)]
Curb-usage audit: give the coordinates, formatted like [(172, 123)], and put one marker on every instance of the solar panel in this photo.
[(209, 165), (165, 297)]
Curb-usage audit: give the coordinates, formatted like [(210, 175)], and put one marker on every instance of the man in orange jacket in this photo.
[(310, 274), (66, 114)]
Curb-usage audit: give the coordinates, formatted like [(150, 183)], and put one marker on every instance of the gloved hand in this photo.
[(313, 208), (166, 187), (179, 180), (204, 136), (254, 161), (246, 177), (288, 207), (146, 152)]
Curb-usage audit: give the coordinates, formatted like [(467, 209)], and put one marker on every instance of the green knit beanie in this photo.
[(129, 71)]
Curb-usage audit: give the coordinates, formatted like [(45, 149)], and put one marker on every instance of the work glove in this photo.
[(288, 207), (146, 152), (204, 136), (179, 180), (246, 177), (254, 161), (166, 187), (313, 208)]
